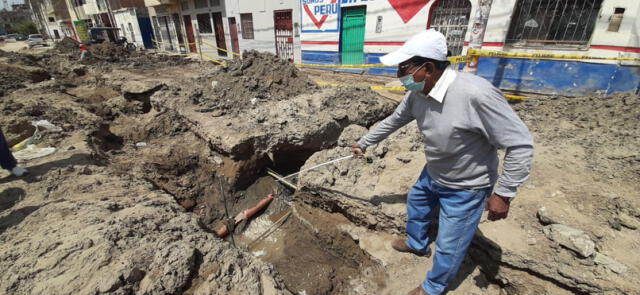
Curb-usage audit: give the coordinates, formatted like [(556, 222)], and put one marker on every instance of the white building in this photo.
[(233, 26), (360, 31)]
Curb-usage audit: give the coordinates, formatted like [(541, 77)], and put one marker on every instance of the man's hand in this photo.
[(498, 207), (357, 150)]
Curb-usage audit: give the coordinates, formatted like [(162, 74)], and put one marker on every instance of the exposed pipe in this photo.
[(244, 215)]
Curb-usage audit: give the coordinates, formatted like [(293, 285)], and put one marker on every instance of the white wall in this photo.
[(125, 16), (602, 43), (394, 29), (263, 23), (628, 33), (209, 38)]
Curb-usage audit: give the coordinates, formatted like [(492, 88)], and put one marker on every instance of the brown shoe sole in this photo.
[(401, 246)]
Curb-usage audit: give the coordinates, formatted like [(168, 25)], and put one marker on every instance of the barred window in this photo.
[(246, 20), (200, 3), (204, 23), (556, 23), (184, 5), (214, 2)]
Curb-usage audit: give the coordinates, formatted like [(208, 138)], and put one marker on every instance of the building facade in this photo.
[(360, 31), (52, 18), (217, 28)]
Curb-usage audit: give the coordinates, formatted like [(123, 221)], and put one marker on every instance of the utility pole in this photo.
[(479, 26)]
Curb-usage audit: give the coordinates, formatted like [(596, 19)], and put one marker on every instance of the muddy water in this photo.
[(303, 243), (306, 247)]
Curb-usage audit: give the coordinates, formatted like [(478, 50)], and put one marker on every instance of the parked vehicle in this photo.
[(20, 37), (35, 39), (126, 44), (98, 35)]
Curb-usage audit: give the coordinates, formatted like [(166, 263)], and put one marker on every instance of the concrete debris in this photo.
[(609, 263), (545, 217), (572, 238), (628, 221)]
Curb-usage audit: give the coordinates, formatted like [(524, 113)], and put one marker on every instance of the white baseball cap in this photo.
[(429, 44)]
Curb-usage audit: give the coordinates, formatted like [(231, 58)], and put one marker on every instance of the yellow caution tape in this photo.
[(179, 44), (401, 88), (221, 49), (543, 55), (343, 66), (209, 58), (452, 59), (222, 63)]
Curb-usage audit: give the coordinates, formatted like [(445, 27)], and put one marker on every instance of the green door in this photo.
[(352, 35)]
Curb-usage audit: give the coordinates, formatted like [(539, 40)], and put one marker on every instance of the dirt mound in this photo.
[(108, 51), (67, 45), (607, 128), (15, 76), (257, 77)]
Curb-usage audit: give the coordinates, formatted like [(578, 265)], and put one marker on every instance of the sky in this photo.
[(10, 2)]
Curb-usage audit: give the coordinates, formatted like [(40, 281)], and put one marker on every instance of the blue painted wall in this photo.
[(540, 76), (559, 77)]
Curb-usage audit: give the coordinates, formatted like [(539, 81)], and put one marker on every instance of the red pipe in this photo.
[(246, 214)]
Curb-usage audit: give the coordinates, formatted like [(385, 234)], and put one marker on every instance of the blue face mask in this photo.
[(410, 83)]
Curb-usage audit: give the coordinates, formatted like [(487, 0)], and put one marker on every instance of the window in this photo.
[(557, 23), (616, 19), (51, 19), (204, 23), (214, 2), (200, 3), (133, 36), (184, 5), (246, 20)]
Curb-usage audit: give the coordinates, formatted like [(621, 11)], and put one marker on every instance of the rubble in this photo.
[(571, 238), (609, 263), (67, 45), (628, 221), (146, 166), (257, 77)]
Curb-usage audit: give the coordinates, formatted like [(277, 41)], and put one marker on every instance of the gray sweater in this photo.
[(463, 133)]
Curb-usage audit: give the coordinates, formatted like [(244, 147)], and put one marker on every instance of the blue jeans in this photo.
[(7, 161), (460, 212)]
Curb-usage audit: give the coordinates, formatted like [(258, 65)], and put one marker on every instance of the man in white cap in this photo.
[(465, 120)]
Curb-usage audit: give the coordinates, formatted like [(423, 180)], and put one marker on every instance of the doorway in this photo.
[(352, 35), (283, 26), (219, 30), (190, 36), (233, 28), (451, 18), (178, 29)]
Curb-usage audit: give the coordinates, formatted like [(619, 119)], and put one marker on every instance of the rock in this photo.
[(628, 221), (571, 238), (172, 267), (609, 263), (141, 144), (545, 216), (351, 134), (218, 160), (615, 223)]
